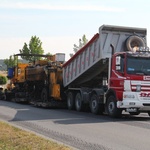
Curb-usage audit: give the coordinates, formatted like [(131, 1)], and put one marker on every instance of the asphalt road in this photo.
[(81, 130)]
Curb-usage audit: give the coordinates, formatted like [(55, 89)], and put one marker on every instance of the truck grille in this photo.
[(144, 85)]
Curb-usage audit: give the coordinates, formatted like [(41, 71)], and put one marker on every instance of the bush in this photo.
[(3, 80)]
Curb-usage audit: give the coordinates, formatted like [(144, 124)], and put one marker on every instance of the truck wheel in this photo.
[(78, 102), (94, 105), (111, 107), (44, 95), (70, 101)]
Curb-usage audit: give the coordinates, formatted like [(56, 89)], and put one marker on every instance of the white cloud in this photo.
[(21, 5)]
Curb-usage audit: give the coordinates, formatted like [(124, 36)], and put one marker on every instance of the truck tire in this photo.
[(70, 101), (111, 107), (95, 107), (44, 95), (134, 41), (78, 102)]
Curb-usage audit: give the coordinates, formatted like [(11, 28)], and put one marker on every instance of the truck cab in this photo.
[(130, 81)]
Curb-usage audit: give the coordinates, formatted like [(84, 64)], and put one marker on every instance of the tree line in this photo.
[(35, 47)]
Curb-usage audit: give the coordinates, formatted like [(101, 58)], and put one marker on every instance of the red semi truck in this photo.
[(111, 73)]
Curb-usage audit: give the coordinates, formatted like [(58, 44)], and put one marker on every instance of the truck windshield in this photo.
[(138, 65)]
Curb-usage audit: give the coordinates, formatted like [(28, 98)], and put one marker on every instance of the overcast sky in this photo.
[(60, 23)]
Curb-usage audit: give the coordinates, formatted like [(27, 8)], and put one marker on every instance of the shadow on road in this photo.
[(25, 112)]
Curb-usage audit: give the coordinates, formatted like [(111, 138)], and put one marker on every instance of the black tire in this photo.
[(112, 109), (95, 107), (3, 97), (70, 101), (134, 41), (44, 95), (78, 102)]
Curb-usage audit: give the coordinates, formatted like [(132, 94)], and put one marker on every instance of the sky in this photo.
[(60, 23)]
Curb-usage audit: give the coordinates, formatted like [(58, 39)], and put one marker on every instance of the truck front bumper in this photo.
[(133, 100)]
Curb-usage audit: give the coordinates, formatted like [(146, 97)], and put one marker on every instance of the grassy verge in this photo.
[(12, 138)]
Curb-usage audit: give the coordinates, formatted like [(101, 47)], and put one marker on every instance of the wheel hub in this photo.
[(111, 107)]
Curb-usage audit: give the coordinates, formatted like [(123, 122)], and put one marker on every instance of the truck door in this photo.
[(117, 75)]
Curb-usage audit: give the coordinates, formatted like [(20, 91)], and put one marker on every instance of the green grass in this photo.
[(12, 138)]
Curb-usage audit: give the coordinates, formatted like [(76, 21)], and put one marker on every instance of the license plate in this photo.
[(131, 109)]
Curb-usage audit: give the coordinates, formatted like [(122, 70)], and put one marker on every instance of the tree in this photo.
[(11, 62), (35, 47), (83, 41), (3, 80)]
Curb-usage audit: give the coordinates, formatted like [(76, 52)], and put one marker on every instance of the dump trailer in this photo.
[(111, 73)]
